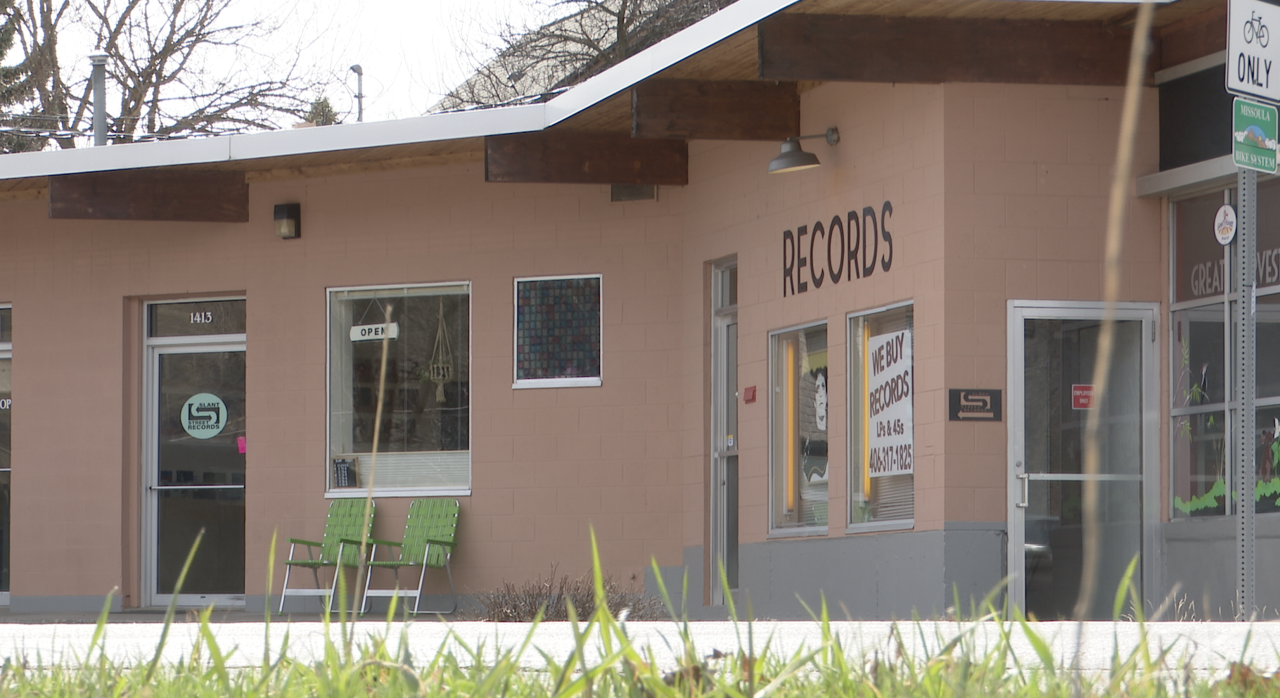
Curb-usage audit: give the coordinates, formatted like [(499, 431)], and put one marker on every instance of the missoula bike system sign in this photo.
[(847, 247), (1254, 136)]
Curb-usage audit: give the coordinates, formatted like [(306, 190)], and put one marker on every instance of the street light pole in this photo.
[(359, 91)]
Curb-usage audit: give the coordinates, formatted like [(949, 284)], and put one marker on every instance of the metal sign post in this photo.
[(1252, 70), (1244, 319)]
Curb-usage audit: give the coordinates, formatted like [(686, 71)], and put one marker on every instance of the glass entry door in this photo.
[(1054, 351), (195, 474)]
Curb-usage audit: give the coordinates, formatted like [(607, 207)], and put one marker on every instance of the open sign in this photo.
[(366, 333)]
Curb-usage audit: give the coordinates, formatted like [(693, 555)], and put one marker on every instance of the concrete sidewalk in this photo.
[(1209, 647)]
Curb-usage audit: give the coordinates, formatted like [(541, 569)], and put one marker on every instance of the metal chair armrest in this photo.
[(356, 541)]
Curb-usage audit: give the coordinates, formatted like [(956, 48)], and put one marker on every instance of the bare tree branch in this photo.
[(174, 67), (585, 38)]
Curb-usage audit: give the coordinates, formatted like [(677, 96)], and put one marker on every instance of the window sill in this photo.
[(878, 526), (360, 492), (797, 532), (556, 383)]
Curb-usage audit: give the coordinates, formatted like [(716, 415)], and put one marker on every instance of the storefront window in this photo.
[(424, 435), (881, 419), (557, 332), (1202, 366), (1199, 411), (798, 409)]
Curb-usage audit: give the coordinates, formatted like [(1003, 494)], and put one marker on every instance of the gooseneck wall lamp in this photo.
[(794, 158)]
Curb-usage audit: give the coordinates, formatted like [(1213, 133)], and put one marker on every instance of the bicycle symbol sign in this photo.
[(1252, 60), (1255, 29)]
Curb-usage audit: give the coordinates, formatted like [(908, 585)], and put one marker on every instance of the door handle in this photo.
[(1026, 490)]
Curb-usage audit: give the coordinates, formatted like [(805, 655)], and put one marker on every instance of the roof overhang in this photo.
[(721, 47)]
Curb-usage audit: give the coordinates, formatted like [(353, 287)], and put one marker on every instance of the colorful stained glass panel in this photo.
[(558, 328)]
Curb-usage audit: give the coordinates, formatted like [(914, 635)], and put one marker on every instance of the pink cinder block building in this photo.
[(621, 310)]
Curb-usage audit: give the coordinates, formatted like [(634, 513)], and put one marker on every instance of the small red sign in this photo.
[(1081, 396)]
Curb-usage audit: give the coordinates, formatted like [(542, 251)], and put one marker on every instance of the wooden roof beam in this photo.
[(566, 157), (151, 195), (934, 50), (737, 110)]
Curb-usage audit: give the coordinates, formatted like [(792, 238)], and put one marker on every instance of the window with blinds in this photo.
[(881, 419)]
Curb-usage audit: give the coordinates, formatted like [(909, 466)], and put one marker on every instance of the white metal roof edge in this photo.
[(266, 144), (433, 127), (372, 134), (663, 55), (116, 157)]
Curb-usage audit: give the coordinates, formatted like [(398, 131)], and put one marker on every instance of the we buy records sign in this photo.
[(1254, 135), (890, 426)]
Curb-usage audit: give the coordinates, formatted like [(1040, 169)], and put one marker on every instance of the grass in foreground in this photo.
[(617, 667)]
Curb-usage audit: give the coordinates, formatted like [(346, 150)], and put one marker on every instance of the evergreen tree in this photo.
[(15, 85), (322, 113)]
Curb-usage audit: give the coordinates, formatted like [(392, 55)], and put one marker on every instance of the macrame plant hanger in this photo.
[(440, 369)]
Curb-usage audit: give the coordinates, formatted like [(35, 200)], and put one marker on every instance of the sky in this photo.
[(412, 51)]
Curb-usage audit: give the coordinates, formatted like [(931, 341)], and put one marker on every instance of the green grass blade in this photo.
[(1122, 591), (173, 606), (1039, 645)]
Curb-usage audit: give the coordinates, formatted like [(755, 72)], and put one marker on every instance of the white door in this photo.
[(724, 433), (1052, 353), (194, 470)]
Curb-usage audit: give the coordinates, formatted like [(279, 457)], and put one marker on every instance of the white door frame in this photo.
[(1149, 315), (156, 347)]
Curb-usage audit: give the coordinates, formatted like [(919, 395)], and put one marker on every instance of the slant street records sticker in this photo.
[(204, 415), (1224, 225)]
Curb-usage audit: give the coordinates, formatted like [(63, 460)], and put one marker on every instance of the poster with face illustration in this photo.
[(890, 418), (812, 423)]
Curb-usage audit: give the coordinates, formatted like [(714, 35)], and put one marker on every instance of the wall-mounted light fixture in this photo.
[(289, 221), (794, 158)]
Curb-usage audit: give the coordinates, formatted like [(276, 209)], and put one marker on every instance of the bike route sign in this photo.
[(1254, 136), (1253, 52)]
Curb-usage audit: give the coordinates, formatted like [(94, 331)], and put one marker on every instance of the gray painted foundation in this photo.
[(1200, 564), (885, 576), (880, 576)]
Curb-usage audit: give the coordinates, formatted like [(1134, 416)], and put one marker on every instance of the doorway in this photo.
[(724, 432), (194, 451), (1053, 351)]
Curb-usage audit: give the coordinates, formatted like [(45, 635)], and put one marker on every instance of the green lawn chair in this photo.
[(429, 536), (344, 521)]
